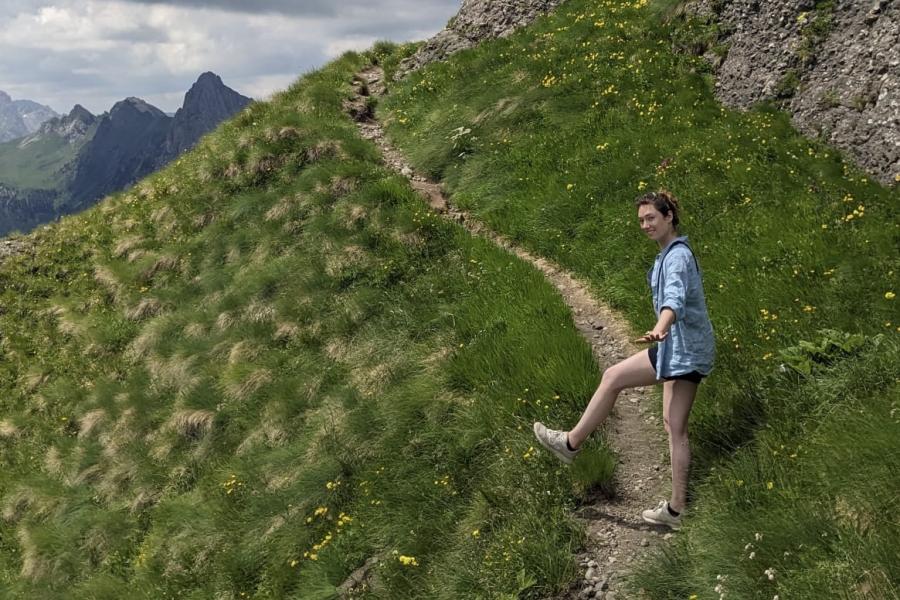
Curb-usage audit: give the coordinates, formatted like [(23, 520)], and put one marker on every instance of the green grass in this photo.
[(39, 164), (269, 362), (204, 377), (550, 134)]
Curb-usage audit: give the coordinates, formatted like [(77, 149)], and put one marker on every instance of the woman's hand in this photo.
[(661, 329), (652, 336)]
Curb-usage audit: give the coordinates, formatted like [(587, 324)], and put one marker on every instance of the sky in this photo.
[(97, 52)]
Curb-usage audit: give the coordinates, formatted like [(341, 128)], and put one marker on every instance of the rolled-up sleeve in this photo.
[(675, 284)]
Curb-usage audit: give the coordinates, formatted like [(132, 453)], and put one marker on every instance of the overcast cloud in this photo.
[(96, 52)]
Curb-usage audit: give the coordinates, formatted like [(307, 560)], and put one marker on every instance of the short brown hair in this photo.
[(663, 201)]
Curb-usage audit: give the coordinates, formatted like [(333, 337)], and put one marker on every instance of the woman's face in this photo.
[(653, 223)]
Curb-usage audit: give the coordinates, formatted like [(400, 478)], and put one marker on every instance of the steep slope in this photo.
[(267, 368), (550, 134), (833, 65), (24, 208), (476, 21), (618, 536), (269, 371), (39, 160), (124, 149), (206, 104)]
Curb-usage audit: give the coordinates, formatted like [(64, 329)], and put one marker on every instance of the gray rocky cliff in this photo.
[(476, 21), (834, 66), (73, 127), (23, 210), (206, 104)]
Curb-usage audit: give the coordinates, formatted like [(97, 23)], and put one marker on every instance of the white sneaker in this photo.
[(661, 515), (555, 442)]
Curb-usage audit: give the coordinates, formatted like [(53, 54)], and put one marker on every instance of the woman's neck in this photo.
[(667, 240)]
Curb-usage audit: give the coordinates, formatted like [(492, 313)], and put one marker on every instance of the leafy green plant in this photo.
[(830, 346)]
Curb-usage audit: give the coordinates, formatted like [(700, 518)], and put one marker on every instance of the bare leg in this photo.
[(634, 371), (678, 397)]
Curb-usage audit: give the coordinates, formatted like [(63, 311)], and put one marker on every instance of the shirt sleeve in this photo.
[(675, 284)]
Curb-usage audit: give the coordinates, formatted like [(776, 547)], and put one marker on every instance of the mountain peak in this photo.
[(209, 78), (133, 104), (206, 104), (4, 98), (208, 89), (80, 113)]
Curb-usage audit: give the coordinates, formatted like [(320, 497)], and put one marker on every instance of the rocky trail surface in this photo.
[(617, 535)]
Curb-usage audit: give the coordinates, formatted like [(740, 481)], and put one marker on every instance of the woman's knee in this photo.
[(612, 378)]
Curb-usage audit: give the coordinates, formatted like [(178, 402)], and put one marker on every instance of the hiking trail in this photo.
[(616, 533)]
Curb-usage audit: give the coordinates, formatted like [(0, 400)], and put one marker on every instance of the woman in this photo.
[(683, 357)]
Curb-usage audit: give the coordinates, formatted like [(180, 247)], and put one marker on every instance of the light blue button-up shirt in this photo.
[(690, 345)]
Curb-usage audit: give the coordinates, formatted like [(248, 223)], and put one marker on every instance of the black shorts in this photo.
[(694, 376)]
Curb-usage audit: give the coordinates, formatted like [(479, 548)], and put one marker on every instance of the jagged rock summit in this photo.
[(476, 21), (834, 66), (72, 127), (206, 104), (136, 138)]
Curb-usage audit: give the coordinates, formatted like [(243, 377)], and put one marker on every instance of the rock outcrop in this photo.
[(206, 104), (476, 21), (834, 66), (73, 127)]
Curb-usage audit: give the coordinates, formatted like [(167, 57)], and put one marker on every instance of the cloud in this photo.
[(313, 8), (96, 52)]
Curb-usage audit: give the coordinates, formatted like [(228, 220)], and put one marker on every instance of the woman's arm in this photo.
[(661, 329), (673, 295)]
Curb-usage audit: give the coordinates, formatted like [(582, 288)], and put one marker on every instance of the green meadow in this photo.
[(38, 165), (269, 363), (549, 136)]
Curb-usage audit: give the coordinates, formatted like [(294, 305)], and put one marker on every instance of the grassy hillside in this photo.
[(268, 363), (39, 164), (550, 134)]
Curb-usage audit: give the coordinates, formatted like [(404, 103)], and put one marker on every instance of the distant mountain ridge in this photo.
[(21, 117), (85, 157), (136, 138), (71, 127), (206, 104)]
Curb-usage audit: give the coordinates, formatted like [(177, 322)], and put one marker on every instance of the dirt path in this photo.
[(617, 534)]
